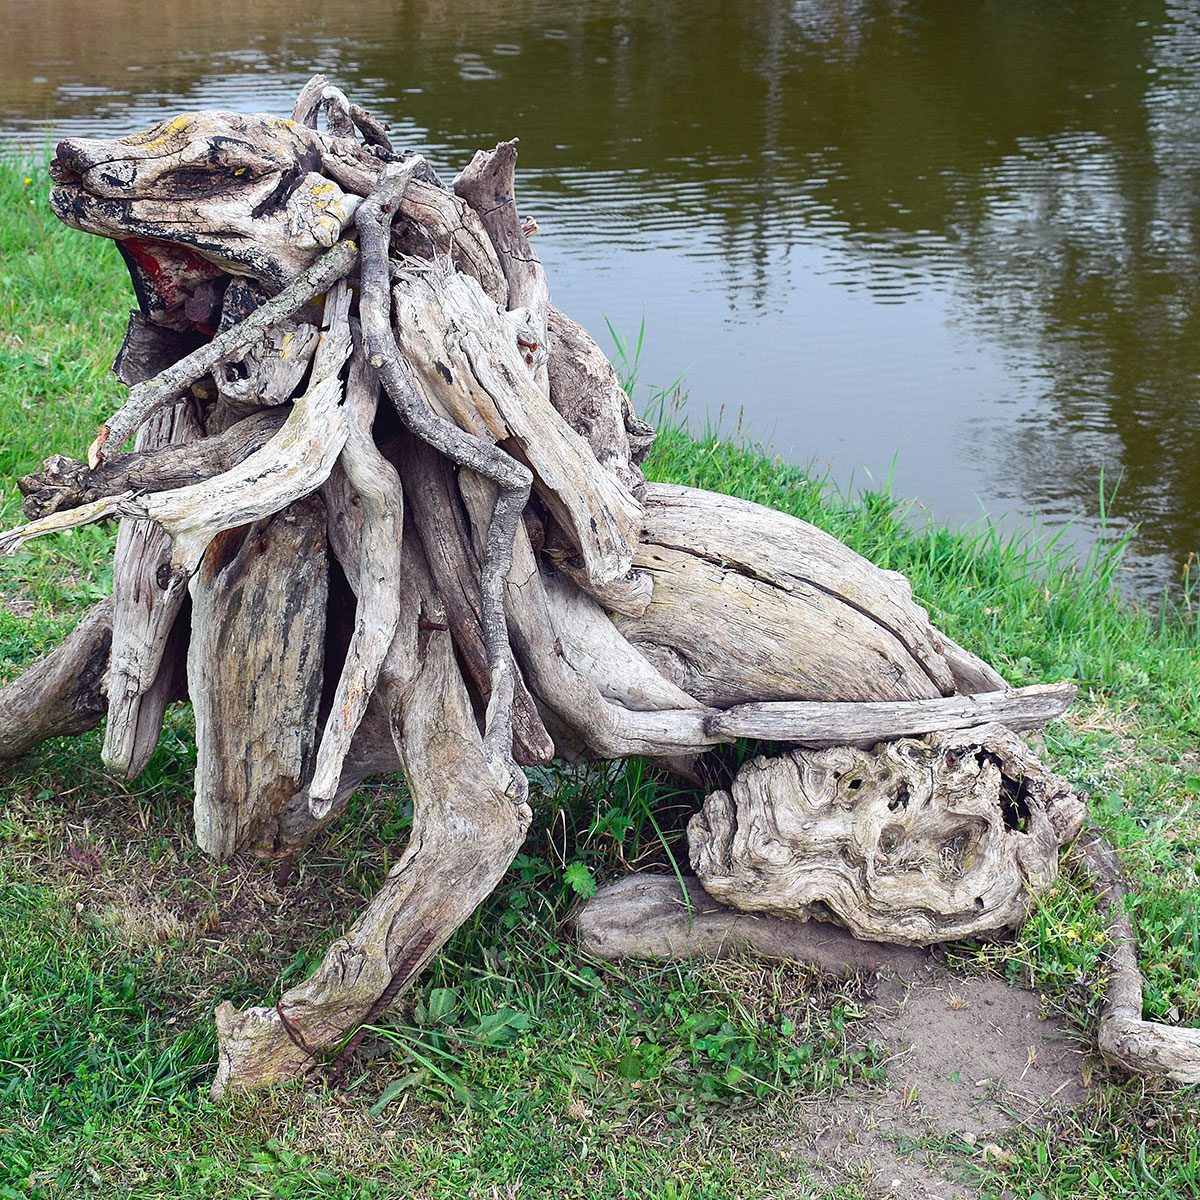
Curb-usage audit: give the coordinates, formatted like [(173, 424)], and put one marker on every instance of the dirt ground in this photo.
[(969, 1059)]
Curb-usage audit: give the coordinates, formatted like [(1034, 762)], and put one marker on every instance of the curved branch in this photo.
[(65, 483), (374, 219), (61, 693), (377, 585), (1127, 1040)]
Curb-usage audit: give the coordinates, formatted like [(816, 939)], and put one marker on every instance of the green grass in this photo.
[(518, 1066)]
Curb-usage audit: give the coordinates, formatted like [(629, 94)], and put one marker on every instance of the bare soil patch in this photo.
[(970, 1059)]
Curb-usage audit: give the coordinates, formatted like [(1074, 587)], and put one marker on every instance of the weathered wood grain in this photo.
[(845, 723), (62, 692), (255, 669), (140, 676), (750, 604), (916, 842)]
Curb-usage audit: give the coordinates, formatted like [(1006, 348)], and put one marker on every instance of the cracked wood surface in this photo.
[(917, 841), (147, 638)]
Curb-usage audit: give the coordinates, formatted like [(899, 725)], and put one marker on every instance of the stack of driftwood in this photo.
[(384, 513)]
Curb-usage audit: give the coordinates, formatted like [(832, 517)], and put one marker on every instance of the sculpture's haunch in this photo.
[(508, 587)]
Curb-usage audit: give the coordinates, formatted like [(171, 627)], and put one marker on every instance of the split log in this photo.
[(149, 644), (488, 185), (255, 668), (916, 842)]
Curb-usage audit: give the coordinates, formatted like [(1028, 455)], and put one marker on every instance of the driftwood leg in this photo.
[(144, 618), (466, 830), (61, 693)]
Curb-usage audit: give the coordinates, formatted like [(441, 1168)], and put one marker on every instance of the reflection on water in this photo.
[(953, 243)]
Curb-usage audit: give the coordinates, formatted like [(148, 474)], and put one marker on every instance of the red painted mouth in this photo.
[(175, 286)]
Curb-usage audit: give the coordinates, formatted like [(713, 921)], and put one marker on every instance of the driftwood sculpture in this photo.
[(384, 513)]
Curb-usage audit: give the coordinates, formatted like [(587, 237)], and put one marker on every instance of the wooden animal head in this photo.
[(201, 196)]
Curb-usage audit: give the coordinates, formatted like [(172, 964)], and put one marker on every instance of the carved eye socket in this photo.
[(195, 180)]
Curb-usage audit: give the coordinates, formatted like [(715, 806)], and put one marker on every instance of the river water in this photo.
[(952, 243)]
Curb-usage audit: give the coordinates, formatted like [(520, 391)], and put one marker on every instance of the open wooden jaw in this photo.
[(509, 588)]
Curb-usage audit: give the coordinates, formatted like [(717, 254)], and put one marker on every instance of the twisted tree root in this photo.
[(1125, 1038)]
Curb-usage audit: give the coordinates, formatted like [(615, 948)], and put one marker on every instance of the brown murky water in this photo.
[(951, 243)]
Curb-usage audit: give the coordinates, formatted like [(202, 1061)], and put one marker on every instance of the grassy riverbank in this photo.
[(520, 1068)]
